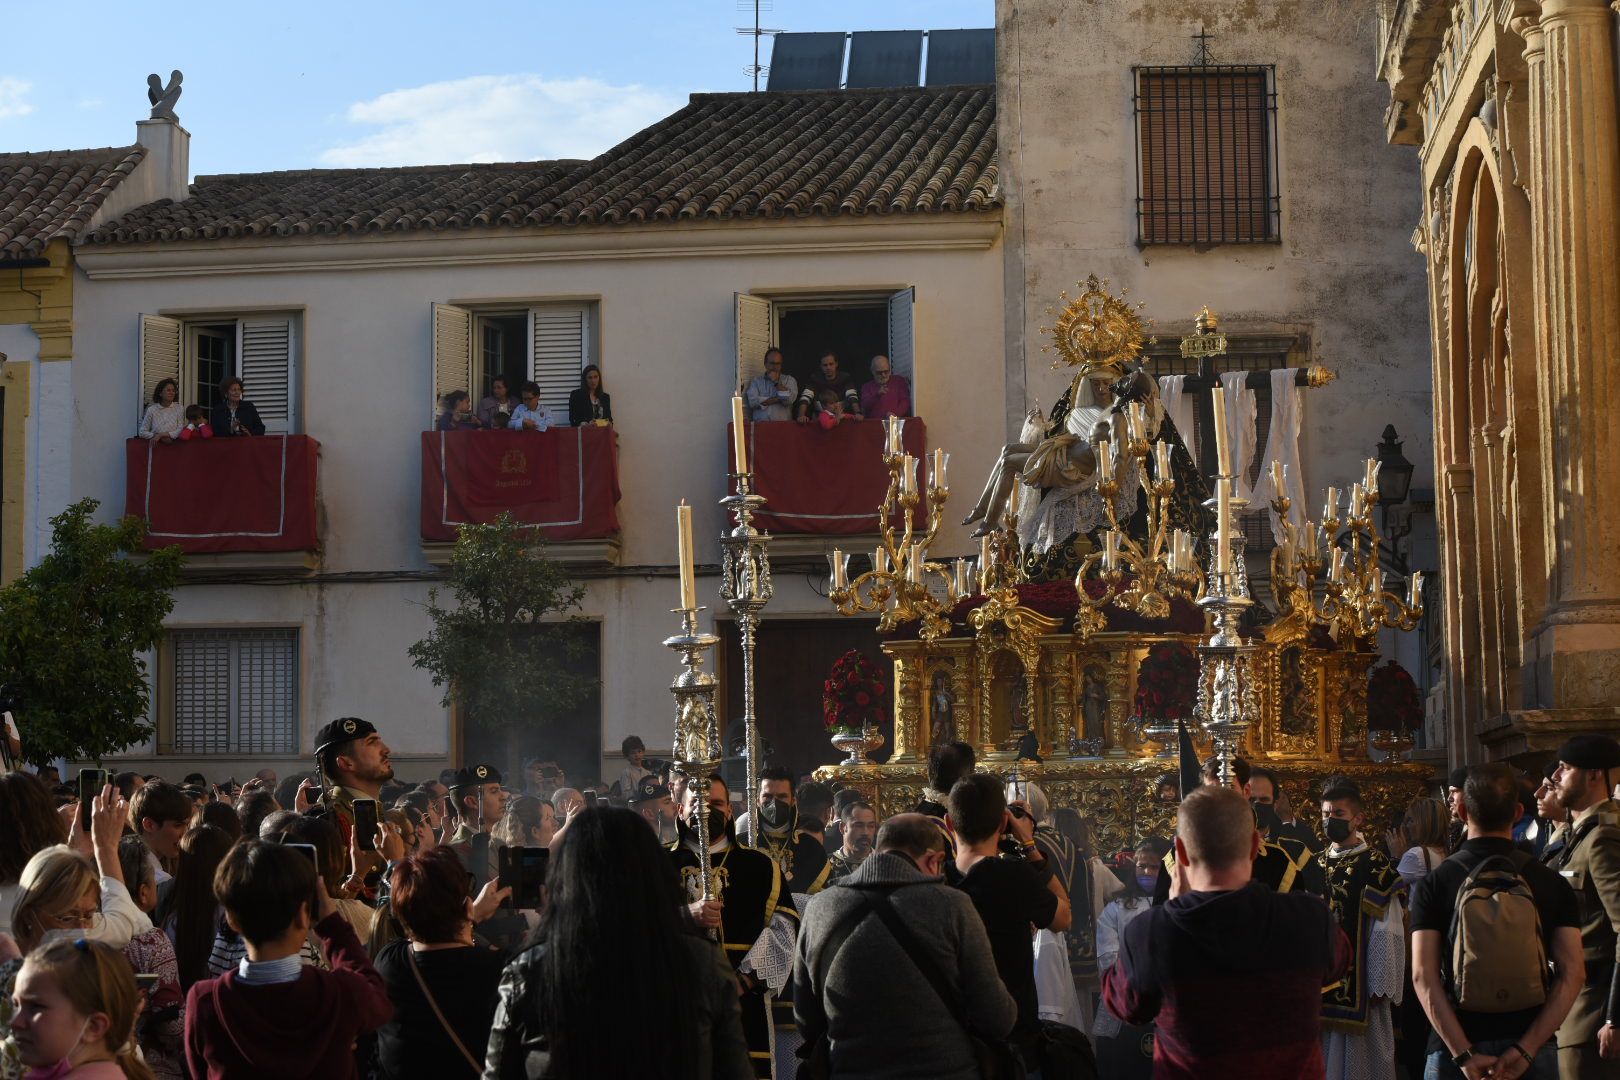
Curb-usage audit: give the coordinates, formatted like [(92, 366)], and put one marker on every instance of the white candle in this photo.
[(1137, 417), (1414, 592), (1105, 460), (894, 433), (739, 433), (936, 478), (683, 543), (1161, 461), (1336, 567), (1373, 465), (880, 560), (1358, 500), (1110, 550), (1312, 548), (840, 574), (1279, 479), (908, 475), (984, 563), (1223, 524), (1223, 452), (914, 564), (1330, 506), (961, 583)]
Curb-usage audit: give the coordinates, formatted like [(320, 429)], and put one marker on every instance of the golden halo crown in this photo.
[(1096, 331)]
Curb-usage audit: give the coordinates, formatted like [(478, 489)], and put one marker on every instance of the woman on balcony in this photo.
[(457, 414), (590, 404), (234, 416), (165, 416), (496, 410)]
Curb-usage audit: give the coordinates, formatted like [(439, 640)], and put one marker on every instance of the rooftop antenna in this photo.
[(1201, 55), (756, 69)]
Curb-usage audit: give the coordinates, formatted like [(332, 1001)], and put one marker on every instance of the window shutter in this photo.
[(452, 354), (901, 341), (160, 355), (267, 371), (560, 333), (753, 336)]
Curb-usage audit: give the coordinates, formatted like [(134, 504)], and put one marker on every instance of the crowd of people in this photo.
[(345, 924), (587, 405), (830, 396), (167, 421)]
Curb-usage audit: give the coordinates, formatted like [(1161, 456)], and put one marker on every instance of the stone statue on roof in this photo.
[(163, 97)]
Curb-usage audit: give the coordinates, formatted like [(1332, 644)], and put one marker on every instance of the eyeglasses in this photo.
[(83, 920)]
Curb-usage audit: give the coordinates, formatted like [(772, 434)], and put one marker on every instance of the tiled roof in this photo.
[(54, 194), (724, 156)]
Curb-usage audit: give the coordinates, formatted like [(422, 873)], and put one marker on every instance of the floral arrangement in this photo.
[(1393, 701), (851, 696), (1167, 682)]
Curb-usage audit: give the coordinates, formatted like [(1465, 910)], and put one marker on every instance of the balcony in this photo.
[(821, 483), (229, 504), (565, 482)]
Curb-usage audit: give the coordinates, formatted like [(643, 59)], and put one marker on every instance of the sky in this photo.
[(303, 84)]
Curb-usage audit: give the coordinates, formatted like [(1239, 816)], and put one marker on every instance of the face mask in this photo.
[(776, 813), (1265, 817), (1337, 829), (1146, 882), (65, 1066)]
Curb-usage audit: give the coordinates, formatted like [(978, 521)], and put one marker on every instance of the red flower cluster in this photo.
[(1393, 701), (1167, 682), (852, 692)]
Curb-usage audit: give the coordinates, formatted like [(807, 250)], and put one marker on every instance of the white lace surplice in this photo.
[(1370, 1055)]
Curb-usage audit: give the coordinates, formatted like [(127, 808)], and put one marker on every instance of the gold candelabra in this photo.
[(898, 583), (1330, 573), (1143, 576)]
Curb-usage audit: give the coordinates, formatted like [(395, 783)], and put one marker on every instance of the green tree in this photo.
[(71, 633), (499, 649)]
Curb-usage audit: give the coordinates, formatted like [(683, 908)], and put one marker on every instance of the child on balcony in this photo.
[(196, 425), (830, 412)]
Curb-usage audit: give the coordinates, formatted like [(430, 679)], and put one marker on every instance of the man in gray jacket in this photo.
[(854, 983)]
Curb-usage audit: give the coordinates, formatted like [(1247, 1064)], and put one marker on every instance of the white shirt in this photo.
[(769, 401), (542, 418), (163, 420)]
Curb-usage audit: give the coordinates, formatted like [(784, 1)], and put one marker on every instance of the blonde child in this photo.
[(76, 1005)]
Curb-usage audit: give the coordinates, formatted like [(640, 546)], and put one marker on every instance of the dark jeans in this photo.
[(1545, 1066)]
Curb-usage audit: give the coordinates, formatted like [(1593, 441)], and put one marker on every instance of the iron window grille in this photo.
[(1206, 160), (234, 692)]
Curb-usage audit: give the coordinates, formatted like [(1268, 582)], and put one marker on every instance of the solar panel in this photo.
[(806, 62), (961, 57), (884, 58)]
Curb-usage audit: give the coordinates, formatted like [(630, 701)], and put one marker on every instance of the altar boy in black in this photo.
[(1010, 894), (754, 908)]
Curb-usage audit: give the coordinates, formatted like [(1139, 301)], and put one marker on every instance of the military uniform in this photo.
[(478, 850), (1590, 862), (750, 886)]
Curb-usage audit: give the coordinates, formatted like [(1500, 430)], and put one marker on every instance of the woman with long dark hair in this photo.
[(590, 404), (32, 824), (189, 913), (613, 984)]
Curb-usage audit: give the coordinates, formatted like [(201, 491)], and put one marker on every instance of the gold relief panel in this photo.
[(1058, 683)]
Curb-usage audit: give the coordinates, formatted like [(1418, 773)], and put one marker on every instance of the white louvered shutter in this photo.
[(160, 356), (901, 338), (452, 354), (753, 327), (267, 370), (561, 339)]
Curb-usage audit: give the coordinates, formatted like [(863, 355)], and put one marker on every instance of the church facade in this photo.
[(1511, 108)]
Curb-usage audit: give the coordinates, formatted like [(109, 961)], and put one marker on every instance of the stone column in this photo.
[(1576, 210)]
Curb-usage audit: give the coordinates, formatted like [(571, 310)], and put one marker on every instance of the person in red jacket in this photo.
[(1229, 971), (273, 1016)]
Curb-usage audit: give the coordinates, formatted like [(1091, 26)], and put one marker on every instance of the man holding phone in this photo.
[(354, 764)]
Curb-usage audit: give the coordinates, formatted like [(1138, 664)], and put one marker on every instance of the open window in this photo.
[(201, 353), (548, 343), (853, 326)]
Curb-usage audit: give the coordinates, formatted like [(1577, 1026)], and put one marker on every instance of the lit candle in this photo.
[(908, 475), (1223, 524), (739, 433), (1330, 506), (1414, 592), (683, 542), (1161, 461), (984, 563), (1223, 452), (1279, 479), (840, 572), (936, 478)]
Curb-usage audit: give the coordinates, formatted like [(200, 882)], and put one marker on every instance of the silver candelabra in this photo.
[(698, 748), (745, 586), (1227, 689)]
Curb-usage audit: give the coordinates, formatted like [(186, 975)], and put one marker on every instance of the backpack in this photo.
[(1498, 958)]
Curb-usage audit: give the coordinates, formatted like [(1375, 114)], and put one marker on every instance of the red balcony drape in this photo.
[(224, 495), (823, 481), (566, 481)]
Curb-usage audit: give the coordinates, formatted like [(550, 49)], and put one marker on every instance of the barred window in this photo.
[(233, 692), (1206, 155)]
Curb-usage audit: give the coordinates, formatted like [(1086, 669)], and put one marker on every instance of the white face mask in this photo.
[(64, 1066)]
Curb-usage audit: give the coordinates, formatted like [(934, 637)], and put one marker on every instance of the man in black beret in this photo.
[(354, 763), (652, 801), (1588, 1045), (480, 803)]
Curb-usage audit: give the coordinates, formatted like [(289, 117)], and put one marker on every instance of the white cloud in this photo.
[(14, 97), (498, 118)]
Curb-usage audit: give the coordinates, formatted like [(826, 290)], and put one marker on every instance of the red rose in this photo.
[(863, 698)]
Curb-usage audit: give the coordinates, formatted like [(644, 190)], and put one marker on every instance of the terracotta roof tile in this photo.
[(54, 195), (724, 156)]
